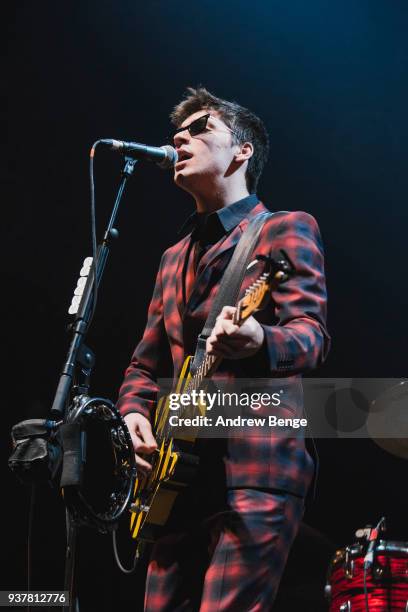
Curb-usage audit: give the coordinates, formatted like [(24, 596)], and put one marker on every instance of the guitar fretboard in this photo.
[(210, 363)]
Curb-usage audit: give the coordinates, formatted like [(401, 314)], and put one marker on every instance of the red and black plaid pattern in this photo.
[(296, 339), (230, 562)]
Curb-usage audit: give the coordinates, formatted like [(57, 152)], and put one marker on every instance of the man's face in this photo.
[(204, 159)]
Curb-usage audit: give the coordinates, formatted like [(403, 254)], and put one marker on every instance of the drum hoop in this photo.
[(356, 550)]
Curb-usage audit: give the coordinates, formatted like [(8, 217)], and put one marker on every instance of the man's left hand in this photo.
[(230, 341)]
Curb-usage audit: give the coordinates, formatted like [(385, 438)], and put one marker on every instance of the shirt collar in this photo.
[(226, 218)]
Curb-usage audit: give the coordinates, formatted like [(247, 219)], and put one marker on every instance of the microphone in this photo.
[(165, 156), (369, 557)]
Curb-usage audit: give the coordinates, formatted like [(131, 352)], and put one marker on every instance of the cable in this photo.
[(29, 538), (370, 555), (93, 229), (365, 589), (116, 555), (317, 462), (317, 468)]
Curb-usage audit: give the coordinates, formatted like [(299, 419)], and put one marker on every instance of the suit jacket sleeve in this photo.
[(138, 392), (299, 342)]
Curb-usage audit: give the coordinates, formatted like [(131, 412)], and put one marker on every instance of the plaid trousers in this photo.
[(231, 561)]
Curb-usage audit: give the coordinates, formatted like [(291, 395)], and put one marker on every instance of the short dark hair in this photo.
[(247, 126)]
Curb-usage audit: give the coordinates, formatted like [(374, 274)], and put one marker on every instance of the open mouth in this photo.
[(183, 156)]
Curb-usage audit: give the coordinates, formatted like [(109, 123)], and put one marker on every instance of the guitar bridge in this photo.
[(139, 508)]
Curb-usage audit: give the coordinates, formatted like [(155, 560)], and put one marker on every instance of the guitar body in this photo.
[(173, 468)]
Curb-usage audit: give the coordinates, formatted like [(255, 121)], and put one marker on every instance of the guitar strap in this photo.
[(231, 282)]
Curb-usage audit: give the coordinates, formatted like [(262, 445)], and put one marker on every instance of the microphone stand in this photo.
[(80, 326), (80, 357)]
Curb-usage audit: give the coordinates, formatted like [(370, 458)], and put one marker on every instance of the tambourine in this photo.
[(99, 474)]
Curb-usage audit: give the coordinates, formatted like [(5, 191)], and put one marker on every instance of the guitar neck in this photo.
[(210, 363)]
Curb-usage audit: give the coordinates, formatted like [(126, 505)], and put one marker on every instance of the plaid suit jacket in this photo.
[(296, 339)]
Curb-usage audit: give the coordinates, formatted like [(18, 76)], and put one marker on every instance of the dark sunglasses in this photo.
[(198, 126)]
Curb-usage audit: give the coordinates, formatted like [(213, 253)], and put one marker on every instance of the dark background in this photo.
[(330, 82)]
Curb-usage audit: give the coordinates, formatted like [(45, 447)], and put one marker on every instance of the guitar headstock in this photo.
[(276, 271)]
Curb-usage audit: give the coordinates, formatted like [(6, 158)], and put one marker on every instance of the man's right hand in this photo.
[(140, 431)]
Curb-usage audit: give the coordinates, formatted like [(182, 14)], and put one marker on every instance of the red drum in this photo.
[(386, 580)]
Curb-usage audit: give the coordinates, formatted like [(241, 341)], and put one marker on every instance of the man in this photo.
[(227, 547)]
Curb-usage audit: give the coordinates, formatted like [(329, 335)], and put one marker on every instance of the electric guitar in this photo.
[(173, 463)]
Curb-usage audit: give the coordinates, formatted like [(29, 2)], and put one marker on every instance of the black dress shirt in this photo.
[(208, 228)]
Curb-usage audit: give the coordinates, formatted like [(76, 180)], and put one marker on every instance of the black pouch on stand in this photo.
[(37, 451)]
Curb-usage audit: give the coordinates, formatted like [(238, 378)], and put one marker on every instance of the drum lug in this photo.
[(346, 607), (378, 572), (349, 564), (350, 570)]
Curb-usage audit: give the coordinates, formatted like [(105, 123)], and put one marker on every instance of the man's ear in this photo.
[(246, 150)]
